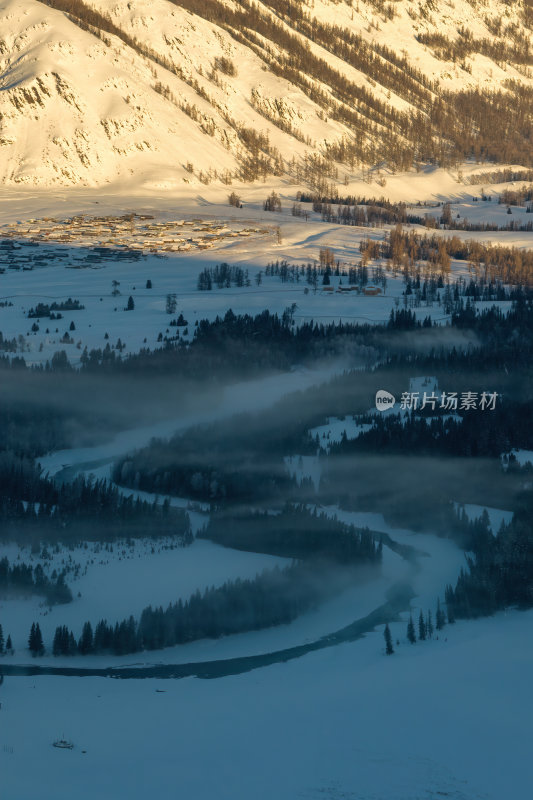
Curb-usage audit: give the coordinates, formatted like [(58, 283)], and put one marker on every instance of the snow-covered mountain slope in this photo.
[(158, 92)]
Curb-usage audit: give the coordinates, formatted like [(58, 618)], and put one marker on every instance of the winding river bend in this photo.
[(64, 466), (398, 600)]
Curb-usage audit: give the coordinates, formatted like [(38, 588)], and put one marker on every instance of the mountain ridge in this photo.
[(165, 92)]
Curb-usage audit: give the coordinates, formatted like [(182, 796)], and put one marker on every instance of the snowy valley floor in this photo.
[(446, 718), (300, 242), (442, 718)]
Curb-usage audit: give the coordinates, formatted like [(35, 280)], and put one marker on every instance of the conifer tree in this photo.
[(9, 644), (35, 640), (39, 644), (61, 645), (411, 630), (429, 626), (2, 649), (31, 638), (57, 643), (85, 645), (421, 627), (389, 649), (171, 303)]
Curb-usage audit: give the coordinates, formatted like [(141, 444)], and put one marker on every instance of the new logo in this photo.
[(384, 400)]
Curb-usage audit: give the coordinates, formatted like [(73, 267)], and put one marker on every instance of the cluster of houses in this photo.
[(109, 238), (368, 290), (27, 255)]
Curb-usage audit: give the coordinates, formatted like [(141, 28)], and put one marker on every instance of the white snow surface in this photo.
[(496, 515), (444, 718), (85, 109), (333, 430), (126, 581), (523, 456), (177, 272)]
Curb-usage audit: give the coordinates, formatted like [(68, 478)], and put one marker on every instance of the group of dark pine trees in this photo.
[(274, 597), (426, 627), (6, 646)]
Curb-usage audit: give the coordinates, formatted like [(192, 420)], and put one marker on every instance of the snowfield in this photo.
[(152, 125), (334, 429), (124, 582), (523, 456), (105, 320), (152, 104), (496, 516), (445, 718)]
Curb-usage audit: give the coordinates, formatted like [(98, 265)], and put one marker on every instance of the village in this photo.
[(94, 241), (369, 290)]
